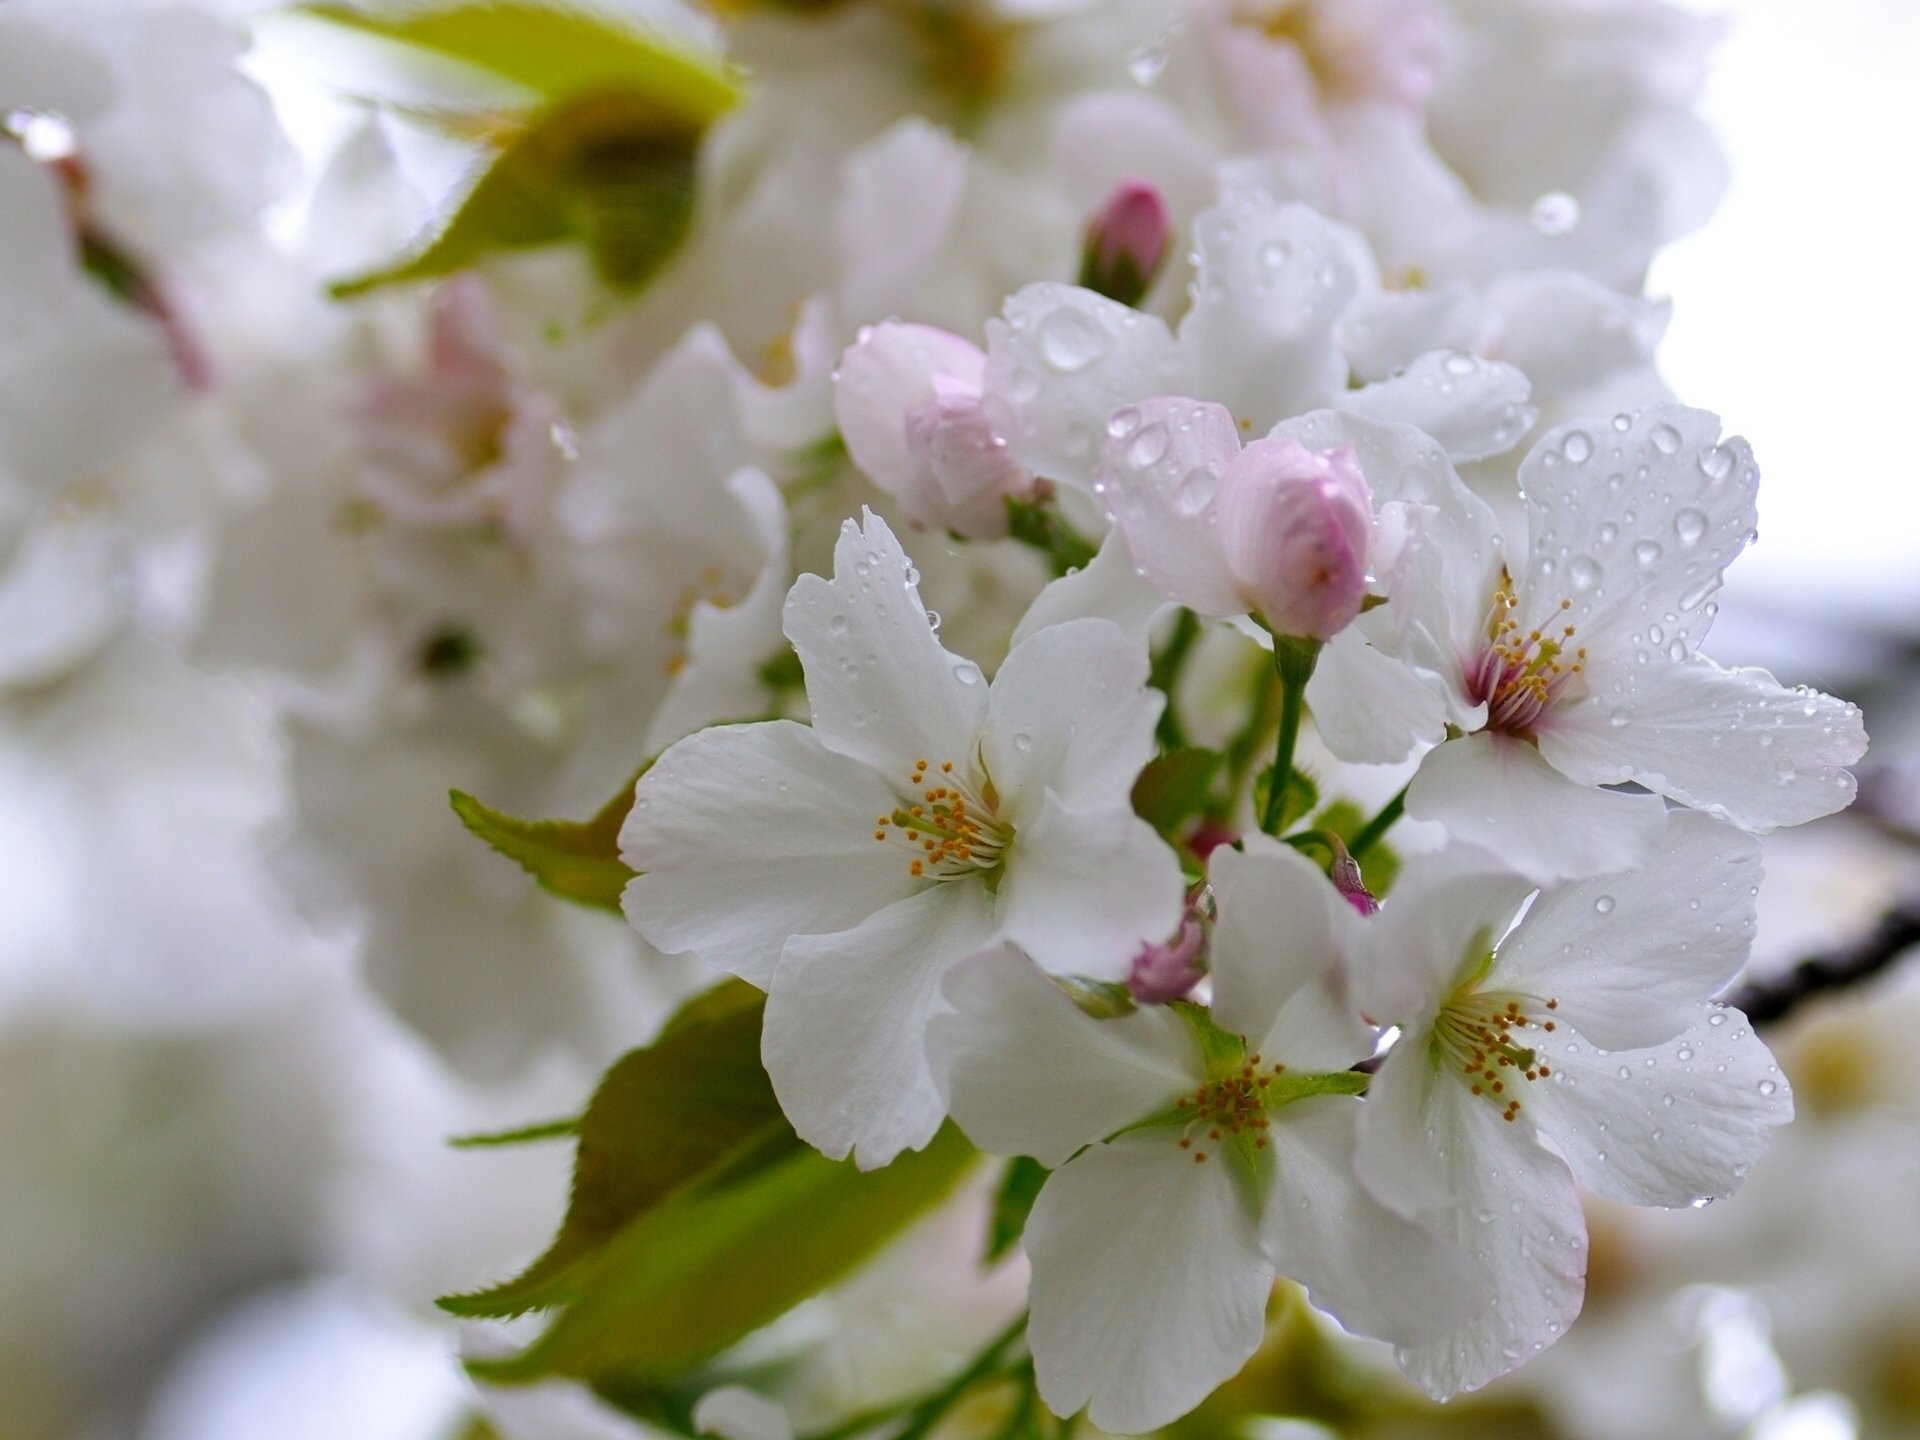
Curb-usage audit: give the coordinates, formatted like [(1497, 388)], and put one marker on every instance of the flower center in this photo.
[(1521, 673), (712, 588), (951, 830), (1484, 1036), (1229, 1109)]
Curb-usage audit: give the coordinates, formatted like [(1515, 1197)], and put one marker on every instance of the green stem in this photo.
[(929, 1412), (1293, 660), (1369, 834), (1038, 524), (1166, 677), (1245, 745)]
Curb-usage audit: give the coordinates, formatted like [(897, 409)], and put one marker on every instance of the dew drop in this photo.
[(1585, 572), (1646, 551), (1604, 904), (1555, 213), (1123, 422), (1023, 742), (1195, 492), (1666, 439), (1767, 1087), (1689, 526), (1070, 340), (1275, 253), (1148, 445), (966, 672), (836, 625), (1577, 447)]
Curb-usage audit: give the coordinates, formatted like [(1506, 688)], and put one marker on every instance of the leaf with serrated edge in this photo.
[(576, 860)]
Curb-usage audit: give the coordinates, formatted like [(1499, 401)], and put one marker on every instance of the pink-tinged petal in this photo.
[(1368, 707), (1059, 363), (1643, 520), (1498, 793), (1630, 957), (1027, 1072), (1376, 1272), (1160, 469), (884, 691), (1671, 1125), (1149, 1286), (883, 376), (1296, 528), (1084, 889), (1273, 281), (1735, 743), (1473, 407), (1444, 1157), (1109, 588), (1279, 953), (745, 835), (845, 1040), (1070, 712)]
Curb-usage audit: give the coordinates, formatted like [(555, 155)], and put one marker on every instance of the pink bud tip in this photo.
[(1127, 242), (1164, 973), (1296, 527)]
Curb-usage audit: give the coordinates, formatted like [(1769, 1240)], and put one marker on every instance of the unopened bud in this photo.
[(1295, 528), (1351, 884), (1165, 973), (1127, 243), (911, 410)]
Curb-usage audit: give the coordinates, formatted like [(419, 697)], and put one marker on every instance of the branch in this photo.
[(1767, 1002)]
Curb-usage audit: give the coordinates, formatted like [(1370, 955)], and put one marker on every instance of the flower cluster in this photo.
[(1263, 392)]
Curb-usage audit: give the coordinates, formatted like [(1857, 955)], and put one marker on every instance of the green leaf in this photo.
[(610, 169), (1380, 865), (712, 1263), (1175, 787), (694, 1104), (522, 1135), (1302, 795), (576, 860), (555, 51), (1013, 1202)]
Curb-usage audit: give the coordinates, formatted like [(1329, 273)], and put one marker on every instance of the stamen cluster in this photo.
[(1521, 674), (953, 833), (1477, 1034), (1232, 1105)]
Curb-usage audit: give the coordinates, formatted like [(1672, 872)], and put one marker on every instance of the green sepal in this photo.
[(714, 1262), (555, 51), (1175, 788), (576, 860), (691, 1106), (1012, 1203), (1302, 795), (610, 169)]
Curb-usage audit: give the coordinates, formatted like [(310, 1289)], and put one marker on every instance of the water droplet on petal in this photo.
[(1555, 213), (1148, 445), (1577, 447), (1604, 904), (966, 672), (1195, 492), (1585, 572), (1666, 439), (836, 624), (1070, 340), (1689, 526)]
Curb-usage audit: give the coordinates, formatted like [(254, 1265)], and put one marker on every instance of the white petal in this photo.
[(1496, 792), (1670, 1125), (1158, 474), (1445, 912), (733, 1412), (1027, 1072), (1389, 329), (747, 834), (1376, 1272), (1445, 1157), (1109, 588), (902, 192), (59, 601), (1273, 281), (1279, 954), (1069, 711), (1149, 1288), (883, 689), (1084, 889), (1104, 138), (1630, 957), (845, 1040), (1367, 706), (1061, 361), (1473, 407), (1567, 331), (1735, 743), (1643, 521)]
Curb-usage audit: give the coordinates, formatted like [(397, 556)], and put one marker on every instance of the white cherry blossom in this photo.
[(924, 816), (1588, 1026), (1571, 663), (1197, 1155)]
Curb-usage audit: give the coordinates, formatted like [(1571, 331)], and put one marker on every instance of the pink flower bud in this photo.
[(1294, 529), (1127, 243), (1351, 884), (909, 402), (1164, 973)]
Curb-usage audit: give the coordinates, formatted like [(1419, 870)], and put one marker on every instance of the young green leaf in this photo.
[(555, 51), (610, 169), (1175, 787), (1012, 1203), (683, 1110), (576, 860), (712, 1263)]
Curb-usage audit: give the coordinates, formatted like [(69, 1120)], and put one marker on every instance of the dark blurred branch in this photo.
[(1767, 1002)]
